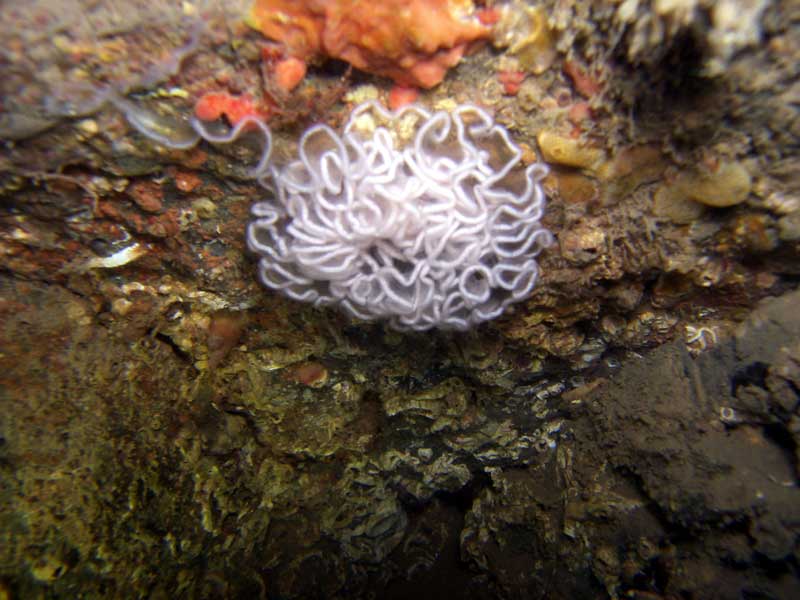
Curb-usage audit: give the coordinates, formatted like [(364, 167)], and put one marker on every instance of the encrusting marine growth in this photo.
[(423, 219), (413, 42)]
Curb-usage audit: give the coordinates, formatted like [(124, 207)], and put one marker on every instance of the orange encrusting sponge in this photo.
[(414, 42)]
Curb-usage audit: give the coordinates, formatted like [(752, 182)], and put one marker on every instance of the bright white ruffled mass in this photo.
[(422, 219)]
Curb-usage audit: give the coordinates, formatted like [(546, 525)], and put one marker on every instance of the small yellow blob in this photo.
[(567, 151), (728, 185)]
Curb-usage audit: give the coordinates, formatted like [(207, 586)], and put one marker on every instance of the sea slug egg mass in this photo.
[(423, 219)]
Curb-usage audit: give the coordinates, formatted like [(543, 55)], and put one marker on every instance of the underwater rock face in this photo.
[(171, 429), (438, 230)]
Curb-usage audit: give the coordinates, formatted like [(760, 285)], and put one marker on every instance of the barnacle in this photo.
[(524, 30), (700, 338), (422, 219)]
